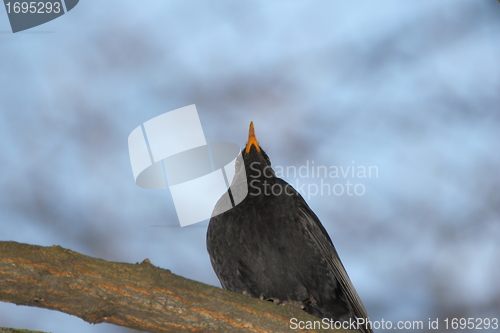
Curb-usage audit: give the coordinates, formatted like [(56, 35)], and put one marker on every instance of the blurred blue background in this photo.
[(412, 88)]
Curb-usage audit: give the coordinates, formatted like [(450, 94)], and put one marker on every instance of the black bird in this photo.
[(271, 244)]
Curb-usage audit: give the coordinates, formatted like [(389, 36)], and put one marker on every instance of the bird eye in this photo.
[(237, 165)]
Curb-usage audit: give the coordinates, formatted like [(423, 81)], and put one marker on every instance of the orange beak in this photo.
[(252, 140)]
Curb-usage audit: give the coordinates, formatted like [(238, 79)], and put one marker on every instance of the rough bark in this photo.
[(139, 296)]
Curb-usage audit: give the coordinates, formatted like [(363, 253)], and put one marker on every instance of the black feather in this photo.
[(272, 245)]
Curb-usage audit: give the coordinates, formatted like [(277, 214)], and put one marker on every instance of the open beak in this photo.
[(252, 140)]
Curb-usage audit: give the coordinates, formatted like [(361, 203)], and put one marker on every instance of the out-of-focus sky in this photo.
[(412, 88)]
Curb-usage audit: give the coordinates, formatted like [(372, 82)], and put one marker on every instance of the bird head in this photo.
[(257, 163)]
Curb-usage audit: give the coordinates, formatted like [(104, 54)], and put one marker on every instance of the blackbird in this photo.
[(272, 246)]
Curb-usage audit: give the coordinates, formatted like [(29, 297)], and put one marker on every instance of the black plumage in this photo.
[(272, 245)]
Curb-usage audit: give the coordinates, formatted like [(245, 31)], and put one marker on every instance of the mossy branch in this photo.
[(138, 296)]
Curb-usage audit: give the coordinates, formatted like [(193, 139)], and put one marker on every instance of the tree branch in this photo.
[(139, 296)]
